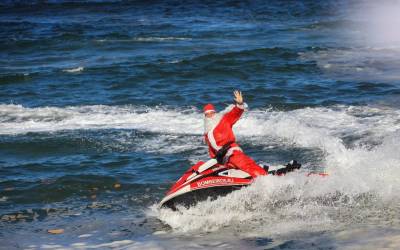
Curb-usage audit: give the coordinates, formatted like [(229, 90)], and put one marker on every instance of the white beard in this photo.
[(211, 123)]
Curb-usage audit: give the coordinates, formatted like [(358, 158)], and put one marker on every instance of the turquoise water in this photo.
[(100, 112)]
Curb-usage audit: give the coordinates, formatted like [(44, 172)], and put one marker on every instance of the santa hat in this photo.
[(208, 108)]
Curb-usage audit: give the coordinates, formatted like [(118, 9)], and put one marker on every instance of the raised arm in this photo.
[(236, 112)]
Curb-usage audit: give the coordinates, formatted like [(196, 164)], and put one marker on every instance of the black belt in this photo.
[(220, 155)]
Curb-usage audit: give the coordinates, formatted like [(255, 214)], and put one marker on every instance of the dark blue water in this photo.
[(100, 112)]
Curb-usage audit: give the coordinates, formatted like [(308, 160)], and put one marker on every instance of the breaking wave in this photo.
[(74, 70), (16, 119), (337, 130), (146, 39)]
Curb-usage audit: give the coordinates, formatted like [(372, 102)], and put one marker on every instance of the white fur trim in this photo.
[(211, 138), (242, 106)]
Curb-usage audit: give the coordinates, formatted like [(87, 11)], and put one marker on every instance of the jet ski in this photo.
[(209, 180)]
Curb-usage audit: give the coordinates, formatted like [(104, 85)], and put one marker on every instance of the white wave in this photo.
[(175, 61), (121, 244), (146, 39), (321, 128), (308, 127), (160, 39), (74, 70), (16, 119)]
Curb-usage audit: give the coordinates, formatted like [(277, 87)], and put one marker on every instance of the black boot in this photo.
[(291, 166)]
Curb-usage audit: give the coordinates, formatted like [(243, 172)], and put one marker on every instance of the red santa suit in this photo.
[(222, 134)]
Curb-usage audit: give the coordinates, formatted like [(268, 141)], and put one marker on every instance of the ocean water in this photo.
[(100, 112)]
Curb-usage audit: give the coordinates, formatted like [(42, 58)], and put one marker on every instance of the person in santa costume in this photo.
[(221, 140)]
